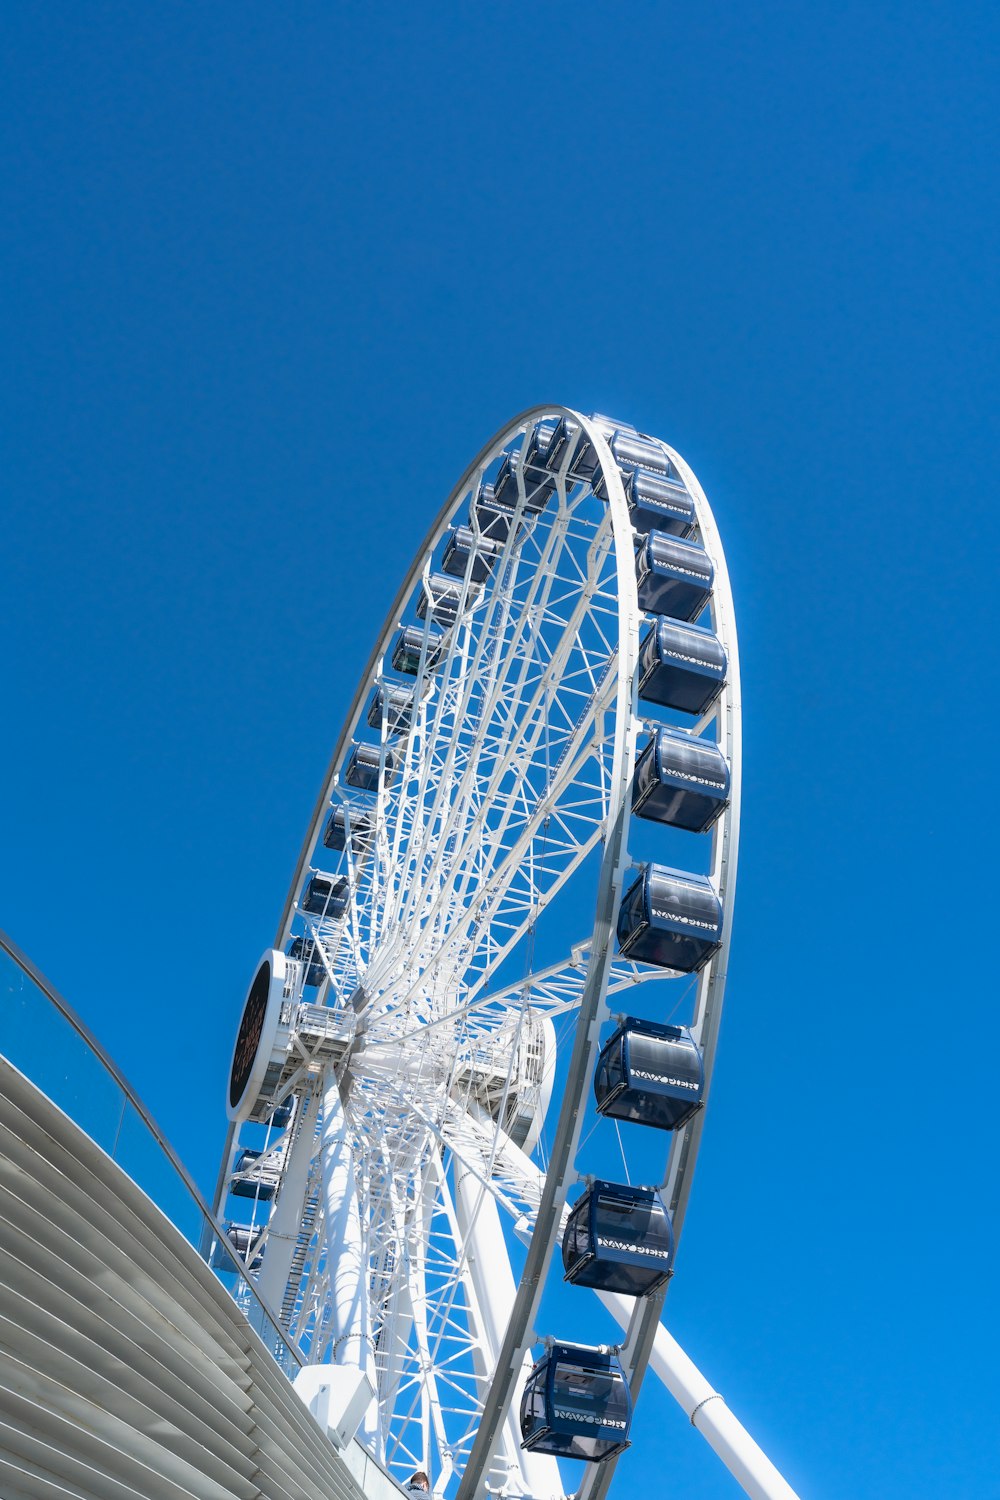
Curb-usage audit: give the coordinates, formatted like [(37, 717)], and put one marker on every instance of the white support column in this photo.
[(489, 1268), (346, 1258), (708, 1412)]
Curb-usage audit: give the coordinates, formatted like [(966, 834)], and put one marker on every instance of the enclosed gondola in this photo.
[(441, 598), (672, 918), (244, 1240), (360, 824), (408, 647), (619, 1239), (250, 1187), (391, 705), (565, 440), (657, 501), (489, 519), (281, 1118), (674, 576), (681, 666), (576, 1404), (363, 767), (584, 466), (462, 546), (681, 780), (650, 1074), (539, 484), (631, 450), (304, 951), (540, 446), (325, 895)]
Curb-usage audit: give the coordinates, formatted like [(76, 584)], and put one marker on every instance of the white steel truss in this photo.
[(497, 823)]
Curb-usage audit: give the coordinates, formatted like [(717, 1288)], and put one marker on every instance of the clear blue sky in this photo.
[(271, 276)]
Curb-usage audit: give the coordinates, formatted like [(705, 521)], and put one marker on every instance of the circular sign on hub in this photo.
[(261, 1041)]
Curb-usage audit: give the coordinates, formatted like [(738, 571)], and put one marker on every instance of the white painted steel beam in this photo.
[(489, 1270), (707, 1411), (347, 1254)]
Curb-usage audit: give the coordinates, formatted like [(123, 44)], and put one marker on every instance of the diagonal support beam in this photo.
[(707, 1410)]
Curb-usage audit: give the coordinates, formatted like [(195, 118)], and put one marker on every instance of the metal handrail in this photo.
[(40, 982)]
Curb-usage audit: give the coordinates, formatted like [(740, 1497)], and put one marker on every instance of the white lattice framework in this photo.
[(480, 919)]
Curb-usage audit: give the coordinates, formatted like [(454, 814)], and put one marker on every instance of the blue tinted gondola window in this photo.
[(562, 442), (407, 650), (281, 1117), (658, 503), (441, 597), (335, 832), (493, 521), (463, 553), (391, 706), (618, 1238), (631, 451), (326, 895), (681, 780), (681, 666), (674, 577), (362, 768), (304, 951), (539, 485), (244, 1241), (649, 1073), (576, 1404), (628, 1224), (577, 1240), (671, 918), (609, 1074), (633, 907), (580, 1390), (540, 445), (250, 1187)]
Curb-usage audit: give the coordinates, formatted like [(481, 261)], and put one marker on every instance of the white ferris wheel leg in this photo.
[(489, 1268), (707, 1410), (347, 1258)]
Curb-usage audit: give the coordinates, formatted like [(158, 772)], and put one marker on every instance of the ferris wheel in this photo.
[(480, 1048)]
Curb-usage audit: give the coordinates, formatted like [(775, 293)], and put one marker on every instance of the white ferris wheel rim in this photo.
[(498, 1395)]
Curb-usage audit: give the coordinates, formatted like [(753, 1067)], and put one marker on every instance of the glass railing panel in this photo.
[(39, 1041), (139, 1153), (272, 1337), (42, 1038)]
